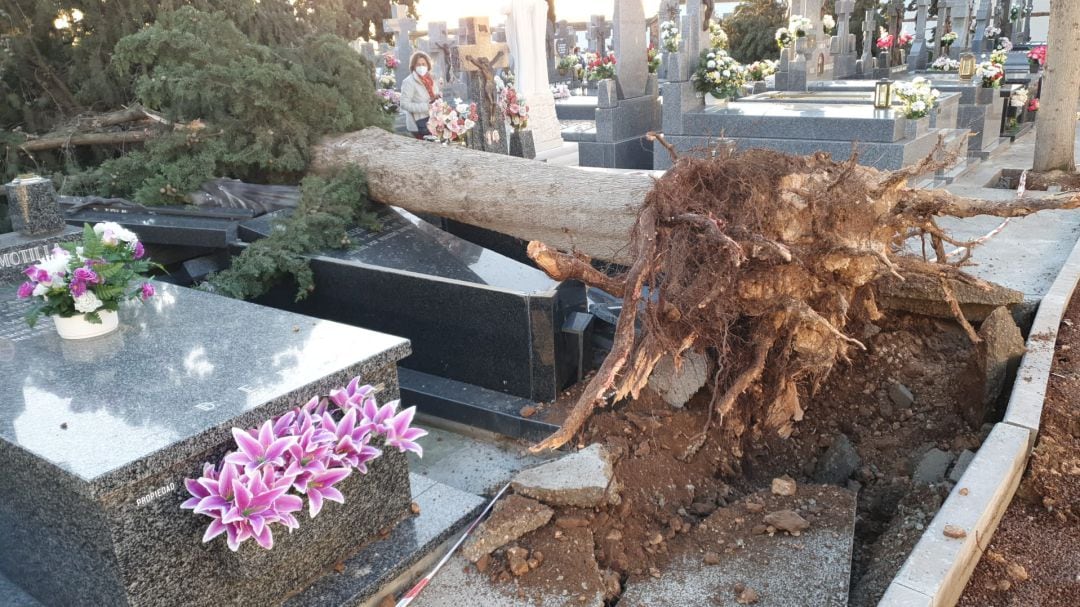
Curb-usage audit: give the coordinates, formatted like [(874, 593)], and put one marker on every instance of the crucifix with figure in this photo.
[(480, 58)]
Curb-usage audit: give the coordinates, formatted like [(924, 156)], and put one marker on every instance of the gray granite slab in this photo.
[(18, 251), (32, 206), (443, 512), (102, 432), (796, 121)]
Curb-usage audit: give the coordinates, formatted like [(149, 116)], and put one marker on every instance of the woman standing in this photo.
[(417, 93)]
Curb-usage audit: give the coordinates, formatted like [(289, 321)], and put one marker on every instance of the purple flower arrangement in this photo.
[(304, 452), (89, 278)]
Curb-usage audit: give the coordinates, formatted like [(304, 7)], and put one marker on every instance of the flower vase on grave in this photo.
[(78, 327), (522, 145)]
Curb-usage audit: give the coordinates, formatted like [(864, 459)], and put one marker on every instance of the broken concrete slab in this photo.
[(677, 386), (774, 567), (932, 467), (924, 295), (512, 517), (961, 465), (571, 580), (991, 363), (838, 462), (585, 479)]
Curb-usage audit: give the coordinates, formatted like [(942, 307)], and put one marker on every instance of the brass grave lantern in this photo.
[(883, 94)]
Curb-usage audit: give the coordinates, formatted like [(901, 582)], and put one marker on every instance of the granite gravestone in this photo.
[(599, 30), (32, 206), (437, 46), (961, 13), (843, 43), (480, 57), (472, 315), (402, 27), (34, 209), (628, 108), (980, 43), (99, 435), (565, 39), (917, 59), (865, 66)]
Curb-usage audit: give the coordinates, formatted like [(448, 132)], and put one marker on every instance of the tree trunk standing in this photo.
[(1056, 121), (567, 208)]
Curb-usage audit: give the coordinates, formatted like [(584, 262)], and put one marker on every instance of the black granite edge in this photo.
[(476, 285), (471, 405), (139, 470), (444, 511)]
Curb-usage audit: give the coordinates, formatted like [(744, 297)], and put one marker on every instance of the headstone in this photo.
[(34, 210), (979, 42), (480, 57), (944, 26), (599, 31), (627, 111), (526, 24), (843, 43), (99, 454), (565, 39), (866, 61), (438, 46), (962, 16), (631, 69), (694, 32), (1028, 9), (917, 60), (33, 207), (475, 318), (402, 26)]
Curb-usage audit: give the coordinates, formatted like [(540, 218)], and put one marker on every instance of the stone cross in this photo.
[(367, 51), (982, 19), (669, 11), (944, 25), (1028, 8), (565, 38), (632, 67), (694, 29), (844, 44), (439, 46), (868, 31), (960, 11), (917, 58), (480, 57), (599, 30), (402, 26)]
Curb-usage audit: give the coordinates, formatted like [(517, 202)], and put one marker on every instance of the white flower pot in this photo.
[(712, 101), (77, 327)]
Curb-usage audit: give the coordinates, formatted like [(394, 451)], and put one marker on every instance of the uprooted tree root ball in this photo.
[(761, 260)]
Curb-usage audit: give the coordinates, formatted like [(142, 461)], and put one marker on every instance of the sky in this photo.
[(571, 10)]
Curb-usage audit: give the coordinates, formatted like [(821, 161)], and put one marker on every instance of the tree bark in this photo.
[(113, 138), (566, 208), (1056, 120)]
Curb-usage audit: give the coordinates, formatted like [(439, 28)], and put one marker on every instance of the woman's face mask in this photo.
[(421, 70)]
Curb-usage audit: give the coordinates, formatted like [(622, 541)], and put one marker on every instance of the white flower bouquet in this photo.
[(670, 37), (917, 97)]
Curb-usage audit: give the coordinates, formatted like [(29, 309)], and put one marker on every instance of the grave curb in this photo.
[(937, 570)]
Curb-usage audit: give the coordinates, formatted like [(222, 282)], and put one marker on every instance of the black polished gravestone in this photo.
[(472, 315), (97, 437)]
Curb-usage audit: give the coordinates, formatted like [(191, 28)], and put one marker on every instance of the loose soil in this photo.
[(665, 497), (1034, 557)]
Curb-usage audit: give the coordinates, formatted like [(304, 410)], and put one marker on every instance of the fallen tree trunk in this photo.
[(566, 208), (113, 138)]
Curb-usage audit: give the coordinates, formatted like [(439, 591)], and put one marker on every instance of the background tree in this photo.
[(55, 57), (1055, 124), (752, 27)]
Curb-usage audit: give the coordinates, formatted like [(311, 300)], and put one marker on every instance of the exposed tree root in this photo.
[(761, 260)]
